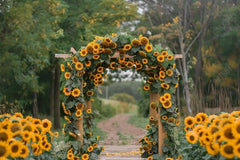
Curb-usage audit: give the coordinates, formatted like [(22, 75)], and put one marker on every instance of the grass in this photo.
[(97, 131), (138, 121)]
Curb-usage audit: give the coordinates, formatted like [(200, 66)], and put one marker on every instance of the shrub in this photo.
[(103, 110), (124, 97)]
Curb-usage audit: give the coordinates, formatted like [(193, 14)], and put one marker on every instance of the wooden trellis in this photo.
[(153, 97)]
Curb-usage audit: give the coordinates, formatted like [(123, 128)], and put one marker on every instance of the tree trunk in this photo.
[(56, 97), (51, 109), (238, 81), (35, 106), (185, 84), (178, 98)]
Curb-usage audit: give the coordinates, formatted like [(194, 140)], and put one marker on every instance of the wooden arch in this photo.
[(153, 97)]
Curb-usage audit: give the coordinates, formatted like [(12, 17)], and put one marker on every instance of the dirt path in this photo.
[(120, 132)]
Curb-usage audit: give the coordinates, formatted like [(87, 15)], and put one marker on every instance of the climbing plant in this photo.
[(86, 70)]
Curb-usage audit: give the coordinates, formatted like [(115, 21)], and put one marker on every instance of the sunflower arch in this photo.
[(85, 70)]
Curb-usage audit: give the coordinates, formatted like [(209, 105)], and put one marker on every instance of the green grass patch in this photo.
[(138, 121), (97, 131)]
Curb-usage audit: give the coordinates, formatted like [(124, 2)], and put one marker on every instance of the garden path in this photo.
[(121, 142)]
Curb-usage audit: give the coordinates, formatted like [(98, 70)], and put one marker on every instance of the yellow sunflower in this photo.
[(162, 99), (15, 127), (147, 126), (66, 92), (169, 72), (75, 158), (113, 65), (227, 150), (89, 110), (83, 52), (46, 125), (100, 69), (165, 85), (164, 117), (170, 57), (62, 68), (89, 48), (96, 46), (164, 53), (236, 128), (156, 54), (4, 150), (144, 41), (127, 47), (191, 137), (167, 96), (70, 155), (76, 92), (129, 64), (135, 42), (79, 66), (227, 132), (144, 61), (150, 158), (212, 149), (24, 151), (148, 48), (167, 104), (162, 74), (90, 149), (47, 146), (90, 93), (67, 75), (171, 120), (95, 51), (237, 150), (146, 88), (108, 51), (113, 45), (15, 149), (78, 113), (74, 59), (160, 58), (85, 156), (142, 54), (189, 121), (26, 136)]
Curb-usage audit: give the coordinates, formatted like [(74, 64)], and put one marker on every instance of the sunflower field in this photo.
[(25, 138)]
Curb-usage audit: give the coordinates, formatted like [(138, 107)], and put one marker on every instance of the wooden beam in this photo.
[(116, 55)]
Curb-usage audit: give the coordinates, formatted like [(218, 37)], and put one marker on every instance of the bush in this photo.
[(124, 97), (103, 110)]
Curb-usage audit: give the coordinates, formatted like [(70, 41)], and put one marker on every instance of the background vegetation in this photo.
[(205, 32)]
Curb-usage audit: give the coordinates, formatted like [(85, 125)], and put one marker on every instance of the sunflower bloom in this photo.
[(191, 137), (160, 58), (79, 66), (76, 92), (85, 156), (144, 41), (83, 52), (148, 48)]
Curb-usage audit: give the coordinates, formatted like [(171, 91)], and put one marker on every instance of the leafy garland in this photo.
[(87, 68)]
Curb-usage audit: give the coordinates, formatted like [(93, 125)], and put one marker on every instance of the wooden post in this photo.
[(154, 97), (79, 123)]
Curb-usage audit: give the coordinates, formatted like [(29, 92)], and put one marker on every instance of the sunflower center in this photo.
[(15, 128), (228, 149), (3, 151), (3, 136), (45, 125), (238, 129), (189, 122), (192, 138), (228, 133), (15, 148)]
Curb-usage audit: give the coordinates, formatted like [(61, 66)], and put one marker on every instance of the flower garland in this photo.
[(87, 68)]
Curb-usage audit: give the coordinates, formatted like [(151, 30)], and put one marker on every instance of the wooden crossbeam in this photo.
[(116, 55)]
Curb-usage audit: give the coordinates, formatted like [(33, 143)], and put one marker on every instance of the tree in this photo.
[(28, 29)]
